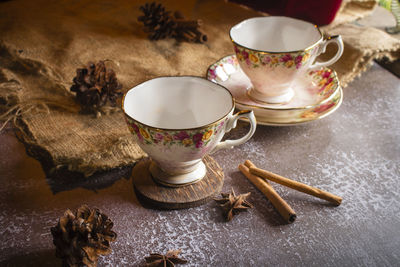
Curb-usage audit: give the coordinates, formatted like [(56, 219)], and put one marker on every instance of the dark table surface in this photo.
[(354, 153)]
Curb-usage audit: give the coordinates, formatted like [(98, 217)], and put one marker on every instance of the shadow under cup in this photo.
[(177, 121), (274, 51)]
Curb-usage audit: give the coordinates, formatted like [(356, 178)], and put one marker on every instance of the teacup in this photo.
[(179, 120), (273, 51)]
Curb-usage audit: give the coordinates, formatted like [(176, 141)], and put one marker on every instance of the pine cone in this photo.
[(160, 24), (82, 237), (95, 86), (157, 21)]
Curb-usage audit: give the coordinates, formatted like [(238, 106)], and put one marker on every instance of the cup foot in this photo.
[(176, 180), (279, 99)]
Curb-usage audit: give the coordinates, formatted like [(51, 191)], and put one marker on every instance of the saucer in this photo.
[(317, 94)]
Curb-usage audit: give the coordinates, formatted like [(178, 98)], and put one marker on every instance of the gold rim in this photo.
[(180, 129), (281, 52), (276, 108), (294, 123), (323, 115)]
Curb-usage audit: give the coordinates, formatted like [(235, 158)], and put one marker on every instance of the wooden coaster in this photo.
[(154, 195)]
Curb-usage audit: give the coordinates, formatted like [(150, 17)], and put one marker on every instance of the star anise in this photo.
[(233, 204), (167, 260)]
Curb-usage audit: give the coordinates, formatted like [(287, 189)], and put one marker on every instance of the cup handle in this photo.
[(249, 114), (332, 39)]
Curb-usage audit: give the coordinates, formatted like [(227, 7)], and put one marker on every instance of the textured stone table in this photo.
[(354, 153)]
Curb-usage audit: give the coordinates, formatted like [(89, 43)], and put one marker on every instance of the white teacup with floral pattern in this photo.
[(178, 120), (273, 51)]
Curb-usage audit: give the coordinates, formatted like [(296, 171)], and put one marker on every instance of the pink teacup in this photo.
[(179, 120), (274, 51)]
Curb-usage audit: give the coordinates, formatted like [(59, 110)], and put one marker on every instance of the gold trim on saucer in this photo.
[(279, 116), (304, 121), (338, 86)]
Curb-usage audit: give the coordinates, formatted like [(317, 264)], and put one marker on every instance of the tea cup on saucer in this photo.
[(273, 51), (179, 120)]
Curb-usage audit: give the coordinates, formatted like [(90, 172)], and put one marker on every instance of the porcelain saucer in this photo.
[(317, 94)]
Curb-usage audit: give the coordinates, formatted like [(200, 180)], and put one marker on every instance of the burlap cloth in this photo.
[(43, 42)]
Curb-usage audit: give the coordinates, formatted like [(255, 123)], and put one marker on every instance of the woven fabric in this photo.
[(43, 42)]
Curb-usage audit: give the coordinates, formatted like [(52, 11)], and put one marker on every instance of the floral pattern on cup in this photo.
[(255, 59), (195, 139)]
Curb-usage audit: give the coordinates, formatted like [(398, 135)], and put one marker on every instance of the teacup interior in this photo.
[(275, 34), (178, 102)]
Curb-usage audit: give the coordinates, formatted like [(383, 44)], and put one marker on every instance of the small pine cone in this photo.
[(157, 21), (160, 24), (95, 86), (82, 237)]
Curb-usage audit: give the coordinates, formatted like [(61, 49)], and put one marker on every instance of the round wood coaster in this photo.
[(154, 195)]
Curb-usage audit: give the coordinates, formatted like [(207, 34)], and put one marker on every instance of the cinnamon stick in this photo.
[(193, 24), (280, 204), (296, 185)]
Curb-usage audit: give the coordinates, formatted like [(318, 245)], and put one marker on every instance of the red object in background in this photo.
[(317, 12)]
